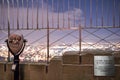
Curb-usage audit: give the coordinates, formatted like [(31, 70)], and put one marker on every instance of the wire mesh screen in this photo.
[(55, 26), (39, 14)]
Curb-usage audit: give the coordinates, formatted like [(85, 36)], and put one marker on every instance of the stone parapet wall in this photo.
[(27, 71), (70, 66)]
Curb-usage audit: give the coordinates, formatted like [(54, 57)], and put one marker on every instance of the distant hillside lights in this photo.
[(36, 53)]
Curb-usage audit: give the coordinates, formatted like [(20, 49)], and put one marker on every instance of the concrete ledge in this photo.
[(117, 58), (37, 72), (77, 72), (71, 57), (2, 72), (9, 73), (24, 72), (87, 59), (27, 71), (55, 69), (59, 68)]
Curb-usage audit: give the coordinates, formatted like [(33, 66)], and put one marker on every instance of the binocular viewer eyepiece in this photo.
[(16, 44)]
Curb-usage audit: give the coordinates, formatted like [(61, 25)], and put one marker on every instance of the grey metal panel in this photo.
[(104, 66)]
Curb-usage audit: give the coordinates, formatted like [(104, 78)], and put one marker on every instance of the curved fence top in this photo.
[(59, 14)]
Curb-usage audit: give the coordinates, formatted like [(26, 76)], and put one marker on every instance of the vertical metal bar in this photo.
[(80, 9), (8, 17), (58, 14), (80, 39), (47, 35), (63, 13), (119, 15), (102, 14), (108, 14), (85, 12), (96, 13), (90, 13), (42, 15), (22, 14), (3, 14), (74, 13), (37, 13), (27, 16), (32, 14), (17, 14), (52, 14), (113, 13), (13, 12), (68, 14), (8, 26)]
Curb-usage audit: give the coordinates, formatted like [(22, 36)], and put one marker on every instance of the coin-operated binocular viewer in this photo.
[(16, 44)]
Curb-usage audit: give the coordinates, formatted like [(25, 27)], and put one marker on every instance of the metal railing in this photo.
[(86, 22)]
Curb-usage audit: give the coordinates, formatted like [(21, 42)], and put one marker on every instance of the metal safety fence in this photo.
[(55, 26)]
